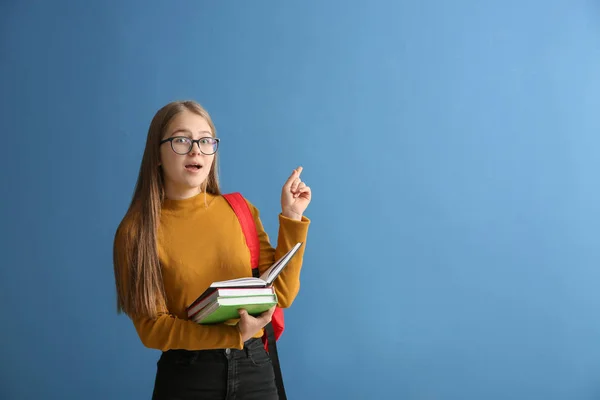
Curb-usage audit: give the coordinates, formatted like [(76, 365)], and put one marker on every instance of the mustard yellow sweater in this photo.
[(200, 241)]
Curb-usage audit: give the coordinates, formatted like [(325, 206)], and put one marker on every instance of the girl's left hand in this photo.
[(295, 196)]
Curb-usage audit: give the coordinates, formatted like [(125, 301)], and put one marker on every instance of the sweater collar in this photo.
[(201, 200)]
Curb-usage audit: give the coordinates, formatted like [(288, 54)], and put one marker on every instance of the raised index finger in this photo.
[(295, 174)]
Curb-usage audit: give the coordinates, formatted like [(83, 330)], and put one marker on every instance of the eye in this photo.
[(206, 141), (181, 140)]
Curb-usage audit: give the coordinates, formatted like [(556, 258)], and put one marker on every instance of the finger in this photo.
[(305, 193), (295, 185), (270, 312), (291, 179), (267, 315), (243, 313), (299, 189), (295, 174)]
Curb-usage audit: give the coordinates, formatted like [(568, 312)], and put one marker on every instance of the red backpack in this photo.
[(275, 328)]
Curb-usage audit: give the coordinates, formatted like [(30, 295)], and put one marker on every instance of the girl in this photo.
[(178, 236)]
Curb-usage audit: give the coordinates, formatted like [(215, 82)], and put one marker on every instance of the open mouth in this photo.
[(193, 167)]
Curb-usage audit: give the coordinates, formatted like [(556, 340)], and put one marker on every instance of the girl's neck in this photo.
[(172, 193)]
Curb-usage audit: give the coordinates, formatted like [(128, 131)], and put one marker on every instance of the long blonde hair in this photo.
[(138, 277)]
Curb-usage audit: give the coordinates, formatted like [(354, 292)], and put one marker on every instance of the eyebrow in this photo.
[(188, 132)]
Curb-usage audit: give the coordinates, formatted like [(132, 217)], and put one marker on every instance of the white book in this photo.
[(266, 279)]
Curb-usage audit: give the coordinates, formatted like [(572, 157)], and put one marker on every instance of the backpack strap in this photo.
[(241, 209)]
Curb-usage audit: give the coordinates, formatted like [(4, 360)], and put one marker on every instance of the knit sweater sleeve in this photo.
[(166, 331), (291, 232)]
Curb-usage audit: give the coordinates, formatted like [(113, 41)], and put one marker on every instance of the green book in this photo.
[(225, 308), (210, 297)]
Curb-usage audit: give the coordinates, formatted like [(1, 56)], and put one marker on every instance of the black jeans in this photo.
[(224, 374)]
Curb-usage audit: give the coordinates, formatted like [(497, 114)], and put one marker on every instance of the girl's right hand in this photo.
[(249, 325)]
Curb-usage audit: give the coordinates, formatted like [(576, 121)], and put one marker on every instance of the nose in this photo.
[(195, 148)]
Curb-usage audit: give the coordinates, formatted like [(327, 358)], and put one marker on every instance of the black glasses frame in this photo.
[(192, 141)]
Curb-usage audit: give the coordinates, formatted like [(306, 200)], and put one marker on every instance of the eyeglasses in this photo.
[(183, 145)]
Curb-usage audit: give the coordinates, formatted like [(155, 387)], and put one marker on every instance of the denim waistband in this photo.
[(181, 355)]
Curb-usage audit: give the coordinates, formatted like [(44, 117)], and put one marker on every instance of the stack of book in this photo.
[(221, 301)]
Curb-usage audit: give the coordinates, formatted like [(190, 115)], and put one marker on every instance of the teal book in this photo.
[(226, 308)]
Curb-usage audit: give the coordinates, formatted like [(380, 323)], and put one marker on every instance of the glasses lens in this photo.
[(208, 145), (181, 145)]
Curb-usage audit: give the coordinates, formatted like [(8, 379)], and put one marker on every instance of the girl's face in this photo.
[(185, 171)]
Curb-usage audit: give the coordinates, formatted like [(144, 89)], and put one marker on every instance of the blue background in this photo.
[(452, 149)]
